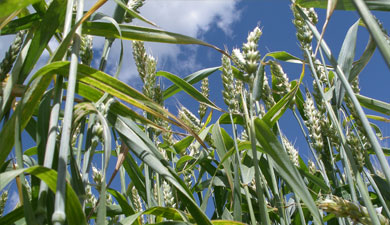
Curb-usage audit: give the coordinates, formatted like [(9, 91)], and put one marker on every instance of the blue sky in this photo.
[(227, 23)]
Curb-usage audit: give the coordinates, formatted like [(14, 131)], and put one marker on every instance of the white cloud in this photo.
[(190, 17)]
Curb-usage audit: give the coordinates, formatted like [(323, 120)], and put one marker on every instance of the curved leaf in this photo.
[(284, 165), (188, 88), (345, 60), (191, 79), (141, 34), (284, 56)]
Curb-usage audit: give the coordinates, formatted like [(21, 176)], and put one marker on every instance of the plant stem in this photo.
[(259, 184), (59, 215)]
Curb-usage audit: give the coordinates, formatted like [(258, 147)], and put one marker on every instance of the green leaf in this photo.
[(383, 187), (19, 24), (74, 212), (316, 180), (29, 101), (188, 88), (226, 222), (259, 82), (383, 5), (359, 65), (284, 56), (284, 165), (374, 104), (220, 146), (93, 94), (52, 19), (237, 119), (345, 59), (191, 79), (12, 216), (273, 115), (168, 213), (141, 34), (126, 208), (9, 6), (373, 27), (54, 16)]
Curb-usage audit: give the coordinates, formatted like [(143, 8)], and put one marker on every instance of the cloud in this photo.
[(189, 17)]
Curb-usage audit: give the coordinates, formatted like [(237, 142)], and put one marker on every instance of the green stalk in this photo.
[(80, 143), (53, 124), (28, 210), (279, 202), (59, 215), (300, 211), (259, 184), (237, 212), (249, 201), (367, 200), (380, 196), (348, 174), (50, 147)]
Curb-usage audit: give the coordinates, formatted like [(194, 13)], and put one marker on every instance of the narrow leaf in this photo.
[(191, 79), (188, 88)]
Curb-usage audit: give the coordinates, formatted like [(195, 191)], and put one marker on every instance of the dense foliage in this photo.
[(172, 167)]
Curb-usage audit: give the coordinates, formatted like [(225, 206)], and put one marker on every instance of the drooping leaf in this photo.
[(284, 56), (189, 89), (141, 34), (284, 166), (191, 79), (374, 104)]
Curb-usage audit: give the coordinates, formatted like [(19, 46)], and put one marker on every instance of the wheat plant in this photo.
[(171, 167)]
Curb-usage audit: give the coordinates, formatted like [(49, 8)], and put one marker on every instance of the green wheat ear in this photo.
[(292, 152), (134, 5), (10, 55), (86, 49), (3, 201), (267, 97), (280, 83), (343, 208), (248, 59), (304, 34), (228, 93), (313, 122), (205, 92)]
